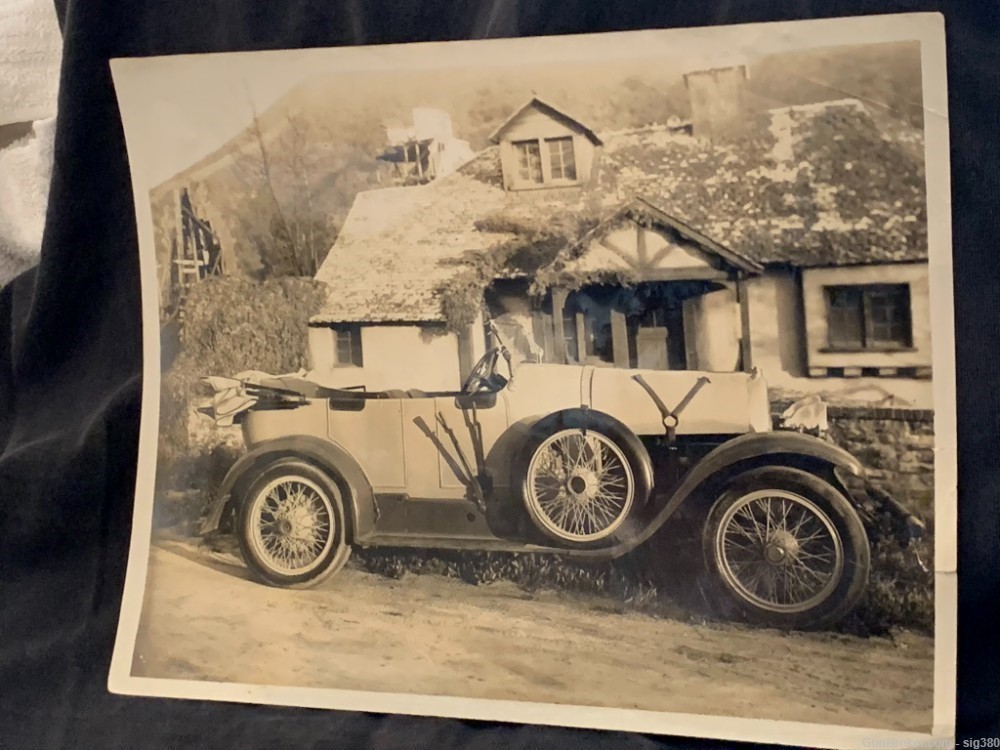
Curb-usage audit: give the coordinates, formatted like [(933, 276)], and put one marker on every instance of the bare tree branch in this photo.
[(269, 185)]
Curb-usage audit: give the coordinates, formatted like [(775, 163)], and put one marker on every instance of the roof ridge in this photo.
[(558, 110)]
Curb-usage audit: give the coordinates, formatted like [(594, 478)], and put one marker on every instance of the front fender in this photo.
[(356, 489), (775, 448)]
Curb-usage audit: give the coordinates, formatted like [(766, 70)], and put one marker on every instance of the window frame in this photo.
[(520, 179), (562, 159), (517, 182), (580, 338), (867, 340), (353, 333)]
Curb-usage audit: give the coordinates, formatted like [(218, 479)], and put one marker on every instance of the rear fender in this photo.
[(355, 488)]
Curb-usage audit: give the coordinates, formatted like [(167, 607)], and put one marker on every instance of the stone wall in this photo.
[(896, 444)]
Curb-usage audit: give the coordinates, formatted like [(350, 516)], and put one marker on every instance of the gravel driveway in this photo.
[(203, 619)]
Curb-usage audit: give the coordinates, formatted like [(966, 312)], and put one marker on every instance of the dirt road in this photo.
[(428, 634)]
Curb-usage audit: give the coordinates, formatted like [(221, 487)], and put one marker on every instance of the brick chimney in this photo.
[(717, 106)]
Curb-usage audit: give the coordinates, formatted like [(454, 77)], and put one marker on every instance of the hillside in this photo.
[(326, 132)]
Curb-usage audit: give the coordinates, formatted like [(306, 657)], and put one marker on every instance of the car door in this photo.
[(372, 431), (467, 426)]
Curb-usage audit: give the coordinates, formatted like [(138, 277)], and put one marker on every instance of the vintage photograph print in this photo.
[(601, 381)]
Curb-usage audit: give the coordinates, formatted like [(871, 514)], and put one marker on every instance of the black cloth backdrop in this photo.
[(70, 364)]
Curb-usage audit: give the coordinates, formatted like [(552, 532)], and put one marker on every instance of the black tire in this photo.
[(627, 468), (754, 559), (326, 501)]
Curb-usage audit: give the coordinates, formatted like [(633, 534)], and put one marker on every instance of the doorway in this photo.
[(655, 321)]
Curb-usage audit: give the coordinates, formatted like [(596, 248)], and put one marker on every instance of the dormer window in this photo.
[(542, 147), (545, 160)]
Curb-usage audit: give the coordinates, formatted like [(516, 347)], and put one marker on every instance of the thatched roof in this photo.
[(813, 185)]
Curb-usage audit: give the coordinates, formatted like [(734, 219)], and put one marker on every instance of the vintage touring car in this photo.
[(581, 461)]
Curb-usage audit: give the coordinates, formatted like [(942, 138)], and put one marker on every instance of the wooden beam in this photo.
[(581, 338), (559, 339), (685, 274), (746, 350), (548, 337), (619, 338)]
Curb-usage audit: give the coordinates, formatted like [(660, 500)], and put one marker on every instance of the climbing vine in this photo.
[(528, 248)]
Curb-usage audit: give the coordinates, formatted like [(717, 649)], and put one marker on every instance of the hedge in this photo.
[(230, 325)]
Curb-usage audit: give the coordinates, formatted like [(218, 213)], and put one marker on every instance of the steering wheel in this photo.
[(481, 376)]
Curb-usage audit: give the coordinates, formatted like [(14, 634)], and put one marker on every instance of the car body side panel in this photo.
[(474, 429), (540, 389), (501, 455), (709, 403), (422, 450), (263, 425), (375, 437)]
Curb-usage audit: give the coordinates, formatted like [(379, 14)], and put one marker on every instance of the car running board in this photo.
[(456, 543)]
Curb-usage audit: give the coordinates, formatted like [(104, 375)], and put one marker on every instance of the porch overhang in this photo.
[(641, 242), (743, 265)]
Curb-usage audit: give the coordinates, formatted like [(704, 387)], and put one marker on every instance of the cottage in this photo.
[(793, 240)]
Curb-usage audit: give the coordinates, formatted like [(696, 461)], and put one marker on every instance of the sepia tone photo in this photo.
[(599, 381)]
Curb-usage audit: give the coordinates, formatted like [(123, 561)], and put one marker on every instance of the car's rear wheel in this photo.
[(290, 525), (786, 549), (580, 486)]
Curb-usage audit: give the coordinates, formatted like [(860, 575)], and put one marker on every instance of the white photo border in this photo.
[(928, 29)]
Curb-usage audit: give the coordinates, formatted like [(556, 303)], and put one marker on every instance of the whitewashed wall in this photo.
[(915, 275), (393, 356), (781, 340)]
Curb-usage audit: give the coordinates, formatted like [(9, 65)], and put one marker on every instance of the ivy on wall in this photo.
[(529, 246), (541, 250)]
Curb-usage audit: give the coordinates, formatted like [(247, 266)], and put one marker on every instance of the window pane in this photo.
[(347, 347), (562, 159), (529, 161), (653, 317), (845, 316), (343, 347), (888, 315)]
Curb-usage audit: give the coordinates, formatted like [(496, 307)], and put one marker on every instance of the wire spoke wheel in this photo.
[(580, 485), (779, 551), (292, 524)]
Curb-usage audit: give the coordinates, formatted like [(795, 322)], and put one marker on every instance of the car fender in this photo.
[(584, 417), (355, 488), (777, 448)]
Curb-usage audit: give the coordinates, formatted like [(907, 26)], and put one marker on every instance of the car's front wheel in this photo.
[(786, 549), (291, 525)]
